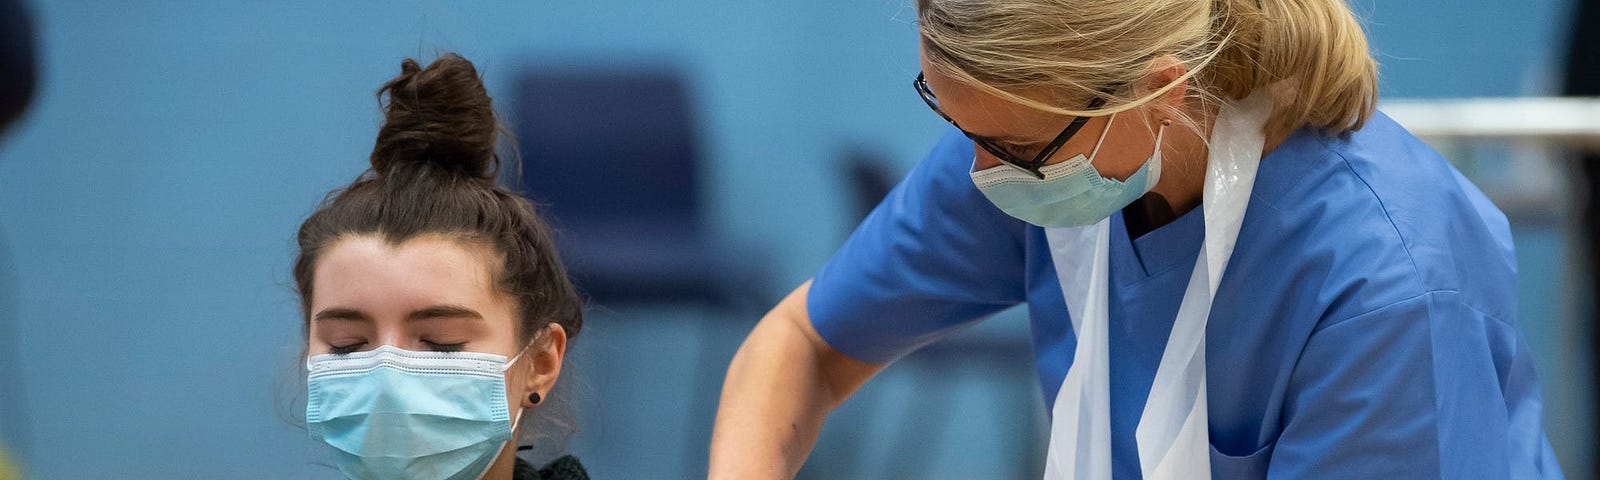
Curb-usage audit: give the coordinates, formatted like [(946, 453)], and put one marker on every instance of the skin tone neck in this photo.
[(1130, 141), (430, 293)]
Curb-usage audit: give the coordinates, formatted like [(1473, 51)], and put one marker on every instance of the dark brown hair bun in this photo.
[(439, 115)]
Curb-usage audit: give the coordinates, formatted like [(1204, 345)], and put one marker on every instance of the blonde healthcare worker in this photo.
[(1234, 266)]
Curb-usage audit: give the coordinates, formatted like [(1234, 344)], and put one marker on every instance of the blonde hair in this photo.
[(1311, 54)]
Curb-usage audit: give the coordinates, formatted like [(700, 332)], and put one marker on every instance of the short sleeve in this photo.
[(933, 257), (1423, 388)]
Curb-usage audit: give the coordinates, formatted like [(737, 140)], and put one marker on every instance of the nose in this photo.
[(396, 339)]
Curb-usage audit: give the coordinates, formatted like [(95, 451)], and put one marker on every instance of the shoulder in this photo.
[(937, 209), (1377, 217), (933, 256), (944, 174)]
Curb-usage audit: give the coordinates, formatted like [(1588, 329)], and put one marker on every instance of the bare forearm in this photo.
[(780, 387), (771, 409)]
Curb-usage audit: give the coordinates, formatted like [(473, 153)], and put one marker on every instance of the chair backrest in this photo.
[(18, 73), (608, 145)]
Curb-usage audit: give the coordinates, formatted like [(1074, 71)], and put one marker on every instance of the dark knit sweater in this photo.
[(564, 468)]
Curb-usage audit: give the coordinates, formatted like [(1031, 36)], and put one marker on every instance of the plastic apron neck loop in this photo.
[(1173, 436)]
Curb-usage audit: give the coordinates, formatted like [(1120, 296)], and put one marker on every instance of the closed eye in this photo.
[(445, 347), (345, 349)]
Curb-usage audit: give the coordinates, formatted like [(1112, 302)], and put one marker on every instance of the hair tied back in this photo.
[(439, 116)]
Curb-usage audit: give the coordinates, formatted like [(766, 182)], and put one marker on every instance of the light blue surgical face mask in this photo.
[(391, 413), (1072, 193)]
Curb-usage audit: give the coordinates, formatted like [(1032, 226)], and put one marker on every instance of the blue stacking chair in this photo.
[(613, 158)]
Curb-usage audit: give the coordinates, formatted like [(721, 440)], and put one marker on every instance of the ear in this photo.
[(544, 361), (1164, 71)]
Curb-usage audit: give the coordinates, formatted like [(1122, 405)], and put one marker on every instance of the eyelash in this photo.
[(345, 349), (445, 347), (437, 347)]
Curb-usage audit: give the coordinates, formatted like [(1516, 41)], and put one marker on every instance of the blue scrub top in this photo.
[(1365, 326)]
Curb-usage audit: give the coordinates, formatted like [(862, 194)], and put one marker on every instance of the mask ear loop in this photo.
[(511, 362), (516, 357), (1102, 140), (1161, 131), (1155, 170), (515, 420), (518, 419)]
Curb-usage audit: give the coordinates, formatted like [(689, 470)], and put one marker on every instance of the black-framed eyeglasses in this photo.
[(1031, 166)]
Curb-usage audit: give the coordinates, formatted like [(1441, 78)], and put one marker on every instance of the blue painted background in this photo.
[(147, 206)]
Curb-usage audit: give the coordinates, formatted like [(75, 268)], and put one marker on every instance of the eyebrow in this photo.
[(341, 314), (444, 311), (429, 313)]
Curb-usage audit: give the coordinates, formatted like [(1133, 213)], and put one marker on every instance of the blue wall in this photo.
[(147, 207)]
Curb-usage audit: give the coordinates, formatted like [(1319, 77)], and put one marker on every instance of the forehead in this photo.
[(367, 272)]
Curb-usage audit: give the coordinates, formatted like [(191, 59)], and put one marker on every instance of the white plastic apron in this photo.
[(1172, 436)]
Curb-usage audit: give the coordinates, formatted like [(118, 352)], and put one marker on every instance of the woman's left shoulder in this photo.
[(1382, 161), (1380, 200)]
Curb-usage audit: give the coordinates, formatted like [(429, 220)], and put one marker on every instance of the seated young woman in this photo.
[(437, 313)]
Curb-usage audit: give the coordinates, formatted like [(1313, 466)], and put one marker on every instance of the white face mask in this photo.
[(1072, 193)]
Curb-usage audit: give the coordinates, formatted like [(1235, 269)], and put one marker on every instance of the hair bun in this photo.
[(439, 115)]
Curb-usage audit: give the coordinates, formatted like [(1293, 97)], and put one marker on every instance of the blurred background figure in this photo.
[(18, 80), (697, 158), (16, 62), (1583, 80)]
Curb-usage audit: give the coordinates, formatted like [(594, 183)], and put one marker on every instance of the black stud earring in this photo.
[(534, 398)]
